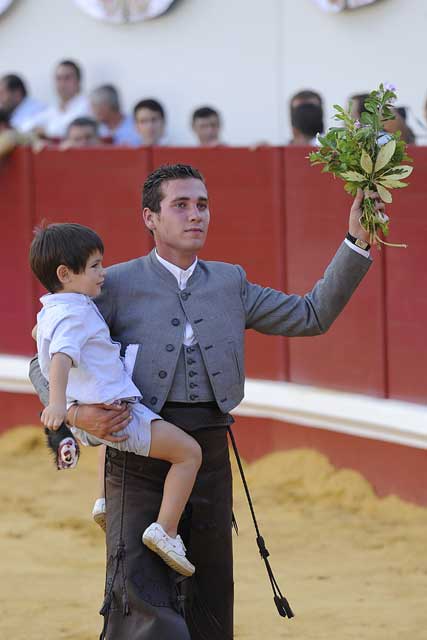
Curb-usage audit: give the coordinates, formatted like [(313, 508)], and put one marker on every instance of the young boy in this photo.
[(83, 366)]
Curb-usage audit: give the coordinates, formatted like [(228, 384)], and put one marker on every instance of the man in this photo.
[(306, 96), (189, 317), (105, 103), (71, 104), (306, 114), (307, 122), (206, 124), (150, 122), (81, 132), (14, 99)]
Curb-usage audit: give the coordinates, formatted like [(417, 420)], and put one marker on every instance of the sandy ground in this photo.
[(353, 566)]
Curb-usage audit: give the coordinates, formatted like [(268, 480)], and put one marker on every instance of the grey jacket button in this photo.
[(194, 396), (170, 347), (175, 322), (190, 361), (189, 349), (153, 400), (162, 374), (193, 385), (192, 374), (185, 295)]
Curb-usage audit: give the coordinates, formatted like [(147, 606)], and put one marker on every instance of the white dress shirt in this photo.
[(55, 120), (182, 276), (25, 110), (71, 323)]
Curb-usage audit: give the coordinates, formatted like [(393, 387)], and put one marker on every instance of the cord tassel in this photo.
[(280, 601)]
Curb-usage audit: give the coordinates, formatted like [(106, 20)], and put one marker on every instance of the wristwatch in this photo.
[(362, 244)]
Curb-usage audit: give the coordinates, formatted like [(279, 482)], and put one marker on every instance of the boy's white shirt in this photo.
[(71, 323)]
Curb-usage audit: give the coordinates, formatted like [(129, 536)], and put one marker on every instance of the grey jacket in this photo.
[(142, 304)]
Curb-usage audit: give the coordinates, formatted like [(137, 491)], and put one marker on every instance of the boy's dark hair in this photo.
[(73, 65), (204, 112), (151, 104), (308, 119), (15, 83), (152, 193), (69, 244)]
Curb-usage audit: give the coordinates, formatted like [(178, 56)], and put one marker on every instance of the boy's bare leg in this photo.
[(173, 445)]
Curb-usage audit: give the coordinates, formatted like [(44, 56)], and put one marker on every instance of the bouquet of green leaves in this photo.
[(366, 156)]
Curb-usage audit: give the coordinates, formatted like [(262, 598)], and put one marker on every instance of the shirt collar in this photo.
[(52, 299), (182, 275)]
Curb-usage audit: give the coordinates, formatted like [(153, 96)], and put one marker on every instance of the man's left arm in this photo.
[(274, 312)]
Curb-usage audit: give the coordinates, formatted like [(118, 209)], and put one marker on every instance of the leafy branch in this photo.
[(366, 157)]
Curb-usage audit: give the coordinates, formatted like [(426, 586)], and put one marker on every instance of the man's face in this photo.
[(8, 99), (100, 110), (66, 82), (150, 125), (207, 130), (182, 223), (82, 136)]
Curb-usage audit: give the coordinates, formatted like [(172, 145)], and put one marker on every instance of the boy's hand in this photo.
[(54, 415)]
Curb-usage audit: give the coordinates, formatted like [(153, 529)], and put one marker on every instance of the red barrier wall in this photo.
[(272, 213)]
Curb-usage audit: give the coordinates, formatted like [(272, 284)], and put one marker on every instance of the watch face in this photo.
[(361, 244), (122, 11)]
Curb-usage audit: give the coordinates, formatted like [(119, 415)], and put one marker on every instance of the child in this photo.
[(83, 366)]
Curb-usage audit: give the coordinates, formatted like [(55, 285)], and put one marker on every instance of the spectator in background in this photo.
[(357, 102), (81, 132), (16, 102), (105, 103), (150, 122), (306, 96), (206, 124), (307, 122), (53, 121)]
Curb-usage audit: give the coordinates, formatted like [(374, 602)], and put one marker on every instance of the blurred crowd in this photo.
[(81, 120)]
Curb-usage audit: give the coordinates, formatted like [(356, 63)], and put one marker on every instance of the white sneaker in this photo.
[(171, 550), (98, 513)]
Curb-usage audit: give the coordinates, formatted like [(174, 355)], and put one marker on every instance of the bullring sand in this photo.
[(353, 566)]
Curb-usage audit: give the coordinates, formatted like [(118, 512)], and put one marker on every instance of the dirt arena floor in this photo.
[(353, 566)]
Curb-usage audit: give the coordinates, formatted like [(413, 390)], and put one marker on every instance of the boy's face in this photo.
[(89, 281)]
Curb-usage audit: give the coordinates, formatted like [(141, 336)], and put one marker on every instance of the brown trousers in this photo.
[(160, 605)]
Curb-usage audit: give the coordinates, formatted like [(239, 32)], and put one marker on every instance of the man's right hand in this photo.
[(101, 420)]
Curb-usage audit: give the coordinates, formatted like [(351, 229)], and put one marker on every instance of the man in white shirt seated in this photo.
[(105, 103), (16, 102), (72, 104), (150, 122)]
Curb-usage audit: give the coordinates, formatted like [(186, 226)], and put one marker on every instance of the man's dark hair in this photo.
[(152, 193), (83, 121), (358, 101), (307, 94), (151, 104), (15, 83), (308, 119), (204, 112), (73, 65), (55, 244)]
